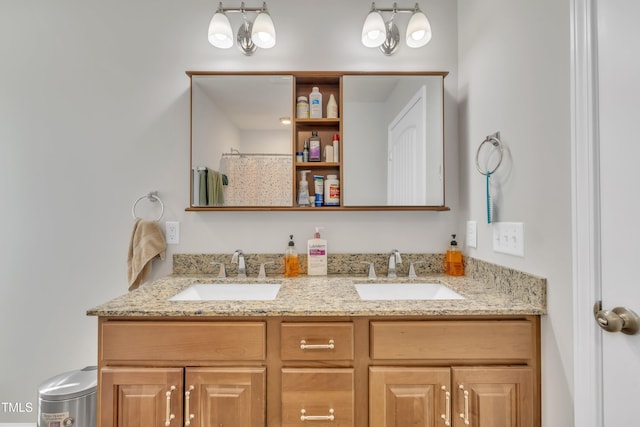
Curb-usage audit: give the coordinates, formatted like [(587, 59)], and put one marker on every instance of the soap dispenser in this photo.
[(303, 189), (291, 266), (453, 262), (317, 255)]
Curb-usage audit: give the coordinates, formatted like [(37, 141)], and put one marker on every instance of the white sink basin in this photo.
[(405, 291), (228, 292)]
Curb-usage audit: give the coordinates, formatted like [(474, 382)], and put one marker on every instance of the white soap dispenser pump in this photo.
[(317, 255)]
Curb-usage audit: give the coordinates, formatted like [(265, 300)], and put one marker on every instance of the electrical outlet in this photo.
[(508, 238), (472, 234), (172, 231)]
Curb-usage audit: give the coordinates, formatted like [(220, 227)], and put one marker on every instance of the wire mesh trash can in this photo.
[(69, 399)]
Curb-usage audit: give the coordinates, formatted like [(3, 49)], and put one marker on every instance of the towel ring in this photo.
[(495, 141), (153, 197)]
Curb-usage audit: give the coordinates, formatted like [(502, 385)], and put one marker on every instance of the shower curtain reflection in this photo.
[(257, 179)]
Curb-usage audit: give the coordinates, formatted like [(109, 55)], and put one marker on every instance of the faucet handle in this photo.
[(372, 270), (262, 274), (412, 271), (236, 254), (223, 272)]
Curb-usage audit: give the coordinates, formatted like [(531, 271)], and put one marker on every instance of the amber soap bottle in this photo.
[(453, 260), (291, 265)]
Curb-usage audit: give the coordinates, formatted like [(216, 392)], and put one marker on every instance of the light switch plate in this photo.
[(508, 238), (472, 234)]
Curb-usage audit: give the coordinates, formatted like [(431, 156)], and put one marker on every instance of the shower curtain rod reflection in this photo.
[(239, 154)]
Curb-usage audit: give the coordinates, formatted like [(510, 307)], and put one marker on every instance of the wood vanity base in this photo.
[(339, 371)]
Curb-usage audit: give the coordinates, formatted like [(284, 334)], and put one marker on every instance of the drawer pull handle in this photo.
[(169, 416), (304, 417), (305, 346), (465, 415), (187, 416), (446, 417)]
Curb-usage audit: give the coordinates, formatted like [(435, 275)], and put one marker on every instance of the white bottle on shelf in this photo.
[(315, 103), (332, 108), (332, 191)]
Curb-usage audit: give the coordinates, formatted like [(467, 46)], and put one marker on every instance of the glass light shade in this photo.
[(263, 33), (418, 30), (220, 34), (374, 32)]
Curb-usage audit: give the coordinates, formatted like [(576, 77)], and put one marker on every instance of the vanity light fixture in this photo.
[(376, 32), (251, 35)]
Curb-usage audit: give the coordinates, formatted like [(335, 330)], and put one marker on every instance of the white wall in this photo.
[(514, 76), (94, 113)]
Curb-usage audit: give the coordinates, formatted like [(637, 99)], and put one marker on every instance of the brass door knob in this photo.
[(620, 319)]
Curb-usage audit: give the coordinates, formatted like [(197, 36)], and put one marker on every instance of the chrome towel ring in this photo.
[(153, 197), (495, 141)]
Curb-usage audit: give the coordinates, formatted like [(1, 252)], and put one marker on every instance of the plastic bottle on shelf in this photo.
[(315, 144), (332, 108), (302, 107), (315, 103), (303, 189), (305, 151), (332, 191), (336, 148)]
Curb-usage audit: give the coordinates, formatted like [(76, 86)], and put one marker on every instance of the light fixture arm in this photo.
[(243, 9), (395, 9)]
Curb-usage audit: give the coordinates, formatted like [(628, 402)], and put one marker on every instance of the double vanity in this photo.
[(212, 346), (341, 350)]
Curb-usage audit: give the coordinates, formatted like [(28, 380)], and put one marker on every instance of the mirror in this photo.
[(242, 155), (241, 152), (394, 140)]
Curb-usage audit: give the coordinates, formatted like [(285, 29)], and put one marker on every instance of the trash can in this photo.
[(69, 399)]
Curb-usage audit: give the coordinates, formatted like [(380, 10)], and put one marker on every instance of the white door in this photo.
[(619, 141)]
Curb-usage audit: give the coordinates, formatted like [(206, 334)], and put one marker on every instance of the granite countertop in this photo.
[(332, 295)]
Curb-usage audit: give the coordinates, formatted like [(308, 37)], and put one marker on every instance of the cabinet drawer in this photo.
[(316, 341), (499, 340), (318, 394), (178, 341)]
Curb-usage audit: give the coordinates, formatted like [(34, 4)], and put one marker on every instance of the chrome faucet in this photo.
[(238, 258), (394, 259)]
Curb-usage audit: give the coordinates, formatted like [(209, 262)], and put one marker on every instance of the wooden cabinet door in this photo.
[(225, 397), (409, 397), (136, 397), (493, 397)]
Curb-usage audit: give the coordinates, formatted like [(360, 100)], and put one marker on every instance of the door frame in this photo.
[(585, 205)]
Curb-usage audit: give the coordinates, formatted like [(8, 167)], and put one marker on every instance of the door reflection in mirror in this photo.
[(394, 140)]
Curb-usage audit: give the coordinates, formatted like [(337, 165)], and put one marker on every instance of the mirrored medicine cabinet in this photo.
[(386, 145)]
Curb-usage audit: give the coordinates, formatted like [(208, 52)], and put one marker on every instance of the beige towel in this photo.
[(147, 242)]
